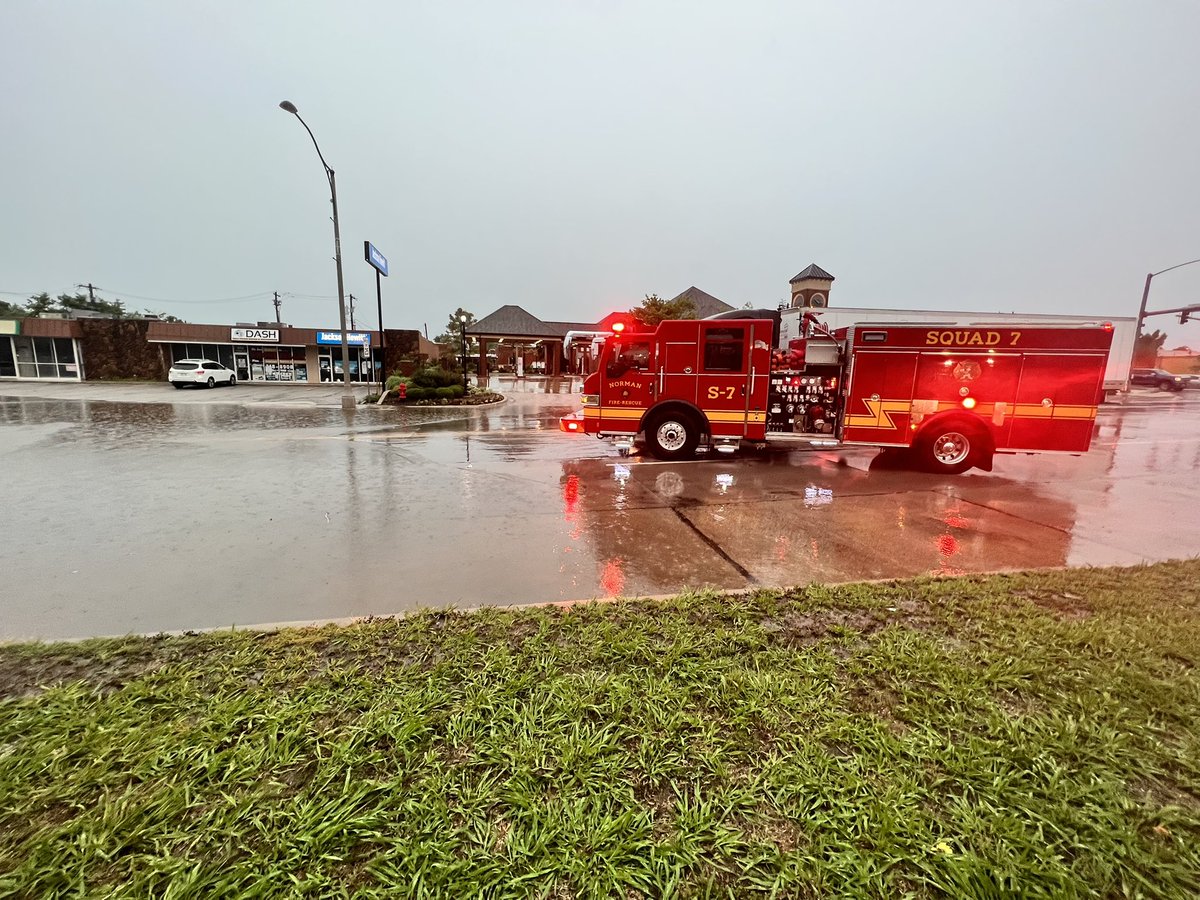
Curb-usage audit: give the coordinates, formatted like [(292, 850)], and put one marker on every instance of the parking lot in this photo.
[(142, 509)]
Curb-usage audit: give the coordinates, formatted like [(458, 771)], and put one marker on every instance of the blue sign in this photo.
[(352, 337), (375, 258)]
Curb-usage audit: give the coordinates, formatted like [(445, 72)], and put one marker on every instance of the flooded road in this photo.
[(150, 516)]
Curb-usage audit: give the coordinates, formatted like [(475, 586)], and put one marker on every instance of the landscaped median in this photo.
[(1032, 735)]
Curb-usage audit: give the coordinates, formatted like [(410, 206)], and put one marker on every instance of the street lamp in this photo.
[(462, 321), (347, 391)]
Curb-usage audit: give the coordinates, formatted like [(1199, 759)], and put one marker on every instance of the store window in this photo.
[(261, 363), (221, 353), (8, 362), (39, 357), (365, 365)]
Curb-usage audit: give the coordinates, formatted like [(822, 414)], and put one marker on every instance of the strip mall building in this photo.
[(97, 349)]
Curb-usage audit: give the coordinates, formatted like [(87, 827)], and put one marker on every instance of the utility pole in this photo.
[(91, 289), (278, 320), (350, 297)]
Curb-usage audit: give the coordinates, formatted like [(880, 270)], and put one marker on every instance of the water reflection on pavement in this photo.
[(157, 516)]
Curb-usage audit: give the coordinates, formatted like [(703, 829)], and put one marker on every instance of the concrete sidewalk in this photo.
[(297, 395), (247, 394)]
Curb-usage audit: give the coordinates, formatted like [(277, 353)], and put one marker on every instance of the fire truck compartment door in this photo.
[(678, 363), (1055, 407), (724, 380), (879, 398)]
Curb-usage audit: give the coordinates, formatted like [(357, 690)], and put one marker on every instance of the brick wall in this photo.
[(402, 349), (117, 349)]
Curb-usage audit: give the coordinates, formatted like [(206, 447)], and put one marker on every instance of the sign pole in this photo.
[(379, 263), (382, 336)]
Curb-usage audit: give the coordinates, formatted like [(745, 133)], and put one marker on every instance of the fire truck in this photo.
[(950, 397)]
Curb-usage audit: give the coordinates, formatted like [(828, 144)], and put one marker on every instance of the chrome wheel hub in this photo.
[(951, 448), (671, 436)]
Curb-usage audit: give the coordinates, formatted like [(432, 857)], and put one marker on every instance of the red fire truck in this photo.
[(952, 396)]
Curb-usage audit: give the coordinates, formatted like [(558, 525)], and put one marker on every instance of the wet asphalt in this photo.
[(129, 510)]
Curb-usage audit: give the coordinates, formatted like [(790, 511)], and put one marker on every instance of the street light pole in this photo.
[(1146, 291), (348, 401), (462, 321)]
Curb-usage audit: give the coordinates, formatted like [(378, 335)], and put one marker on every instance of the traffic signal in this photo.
[(1185, 315)]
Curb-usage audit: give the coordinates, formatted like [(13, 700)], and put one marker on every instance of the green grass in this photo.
[(1011, 736)]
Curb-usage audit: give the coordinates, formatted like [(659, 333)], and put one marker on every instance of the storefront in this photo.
[(279, 354), (38, 357), (144, 349), (366, 362)]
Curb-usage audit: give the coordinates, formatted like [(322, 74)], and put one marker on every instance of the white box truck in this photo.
[(1120, 356)]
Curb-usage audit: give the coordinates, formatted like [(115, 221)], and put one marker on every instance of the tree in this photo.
[(114, 308), (43, 304), (39, 304), (452, 336), (654, 309), (1145, 352)]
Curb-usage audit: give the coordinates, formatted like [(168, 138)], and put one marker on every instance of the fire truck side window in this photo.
[(724, 349)]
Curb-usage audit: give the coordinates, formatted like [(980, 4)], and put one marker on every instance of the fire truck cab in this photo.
[(952, 396)]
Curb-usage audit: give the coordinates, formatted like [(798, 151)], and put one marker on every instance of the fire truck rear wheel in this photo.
[(950, 449), (673, 435)]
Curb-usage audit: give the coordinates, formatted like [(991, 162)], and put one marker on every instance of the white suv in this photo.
[(200, 371)]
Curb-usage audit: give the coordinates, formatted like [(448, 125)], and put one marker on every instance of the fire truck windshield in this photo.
[(625, 356)]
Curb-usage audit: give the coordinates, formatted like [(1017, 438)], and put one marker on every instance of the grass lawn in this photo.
[(1030, 735)]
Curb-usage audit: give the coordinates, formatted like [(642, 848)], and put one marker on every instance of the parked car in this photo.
[(200, 371), (1159, 378)]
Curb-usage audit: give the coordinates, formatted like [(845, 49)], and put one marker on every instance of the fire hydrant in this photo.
[(402, 391)]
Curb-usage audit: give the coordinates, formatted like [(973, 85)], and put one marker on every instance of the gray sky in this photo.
[(571, 157)]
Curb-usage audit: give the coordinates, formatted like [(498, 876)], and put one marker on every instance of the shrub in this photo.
[(450, 392), (431, 377), (395, 381)]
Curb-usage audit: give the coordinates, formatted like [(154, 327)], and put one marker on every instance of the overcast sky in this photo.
[(571, 157)]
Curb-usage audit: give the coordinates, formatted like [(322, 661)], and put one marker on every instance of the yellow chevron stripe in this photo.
[(881, 409), (881, 414)]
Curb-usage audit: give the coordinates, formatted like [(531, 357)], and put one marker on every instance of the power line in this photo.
[(122, 295), (255, 296)]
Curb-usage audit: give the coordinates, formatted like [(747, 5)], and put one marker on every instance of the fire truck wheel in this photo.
[(673, 435), (950, 448)]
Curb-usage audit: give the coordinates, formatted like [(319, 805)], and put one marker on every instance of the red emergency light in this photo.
[(618, 327)]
